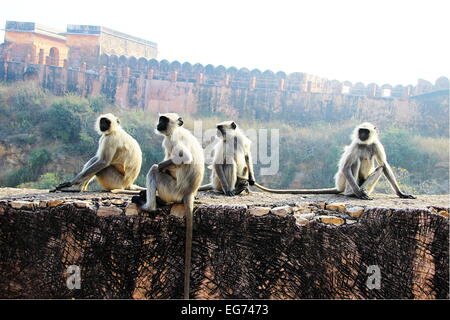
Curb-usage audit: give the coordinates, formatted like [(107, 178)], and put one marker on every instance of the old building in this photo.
[(35, 43), (27, 41)]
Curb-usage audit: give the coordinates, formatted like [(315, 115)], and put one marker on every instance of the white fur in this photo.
[(121, 152), (365, 158), (225, 151)]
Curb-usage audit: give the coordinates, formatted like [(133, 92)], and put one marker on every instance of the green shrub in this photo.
[(45, 181)]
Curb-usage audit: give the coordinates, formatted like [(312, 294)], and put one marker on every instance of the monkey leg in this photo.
[(369, 184), (241, 185), (85, 183), (166, 186), (110, 178), (355, 172), (224, 178), (340, 181)]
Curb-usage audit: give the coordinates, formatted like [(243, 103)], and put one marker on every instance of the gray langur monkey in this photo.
[(177, 178), (117, 162), (232, 167), (357, 175)]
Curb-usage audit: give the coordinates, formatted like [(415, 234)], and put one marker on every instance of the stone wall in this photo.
[(162, 86), (115, 43), (267, 247)]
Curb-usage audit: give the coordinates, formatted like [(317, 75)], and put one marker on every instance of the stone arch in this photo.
[(231, 71), (198, 68), (386, 90), (441, 83), (113, 61), (209, 70), (268, 80), (359, 89), (104, 60), (153, 64), (132, 64), (186, 68), (220, 71), (54, 56), (281, 75), (175, 66), (398, 91), (268, 74), (142, 65), (241, 78), (164, 69), (123, 61), (164, 65), (346, 87), (186, 72), (372, 90), (255, 73)]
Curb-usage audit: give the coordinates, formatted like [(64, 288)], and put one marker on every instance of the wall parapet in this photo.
[(252, 248), (220, 76)]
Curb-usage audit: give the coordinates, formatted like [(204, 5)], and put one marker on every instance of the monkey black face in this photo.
[(162, 124), (221, 129), (105, 124), (363, 134)]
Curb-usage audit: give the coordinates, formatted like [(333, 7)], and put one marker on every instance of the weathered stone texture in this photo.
[(245, 249)]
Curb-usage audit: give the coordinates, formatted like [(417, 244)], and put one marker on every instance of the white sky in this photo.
[(382, 41)]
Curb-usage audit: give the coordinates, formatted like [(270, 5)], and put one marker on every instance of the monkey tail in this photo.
[(298, 191), (189, 214), (123, 191), (206, 187)]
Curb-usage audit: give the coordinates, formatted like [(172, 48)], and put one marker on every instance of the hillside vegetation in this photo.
[(45, 140)]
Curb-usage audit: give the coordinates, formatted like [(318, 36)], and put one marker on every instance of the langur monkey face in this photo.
[(365, 133), (167, 123), (224, 128), (107, 123)]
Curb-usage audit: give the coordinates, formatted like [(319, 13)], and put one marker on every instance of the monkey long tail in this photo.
[(206, 187), (189, 208), (299, 191), (123, 191)]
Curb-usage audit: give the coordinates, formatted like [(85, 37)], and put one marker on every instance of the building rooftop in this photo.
[(97, 30), (18, 26)]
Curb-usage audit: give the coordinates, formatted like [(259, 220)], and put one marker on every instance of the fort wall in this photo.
[(160, 86)]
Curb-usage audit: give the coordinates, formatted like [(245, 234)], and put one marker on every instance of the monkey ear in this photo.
[(118, 121), (233, 125), (180, 122)]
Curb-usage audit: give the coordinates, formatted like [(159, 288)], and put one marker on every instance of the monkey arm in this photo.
[(393, 182), (251, 175), (380, 157), (223, 181), (351, 180), (83, 175), (165, 164), (91, 168)]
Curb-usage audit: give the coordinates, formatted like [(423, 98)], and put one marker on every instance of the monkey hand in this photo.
[(406, 196), (251, 181), (230, 193), (141, 199), (363, 195), (63, 185), (137, 200)]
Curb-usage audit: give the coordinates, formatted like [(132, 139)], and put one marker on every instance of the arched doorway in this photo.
[(54, 56)]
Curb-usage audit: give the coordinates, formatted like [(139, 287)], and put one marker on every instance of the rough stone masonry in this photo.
[(252, 246)]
